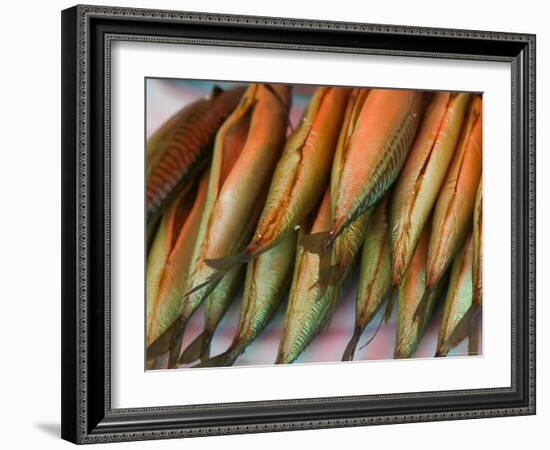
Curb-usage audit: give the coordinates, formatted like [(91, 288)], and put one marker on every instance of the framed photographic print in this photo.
[(282, 224)]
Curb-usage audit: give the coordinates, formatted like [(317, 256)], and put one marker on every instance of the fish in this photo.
[(411, 325), (246, 150), (310, 305), (300, 175), (458, 299), (183, 145), (374, 275), (215, 307), (477, 265), (470, 324), (423, 173), (267, 280), (477, 275), (169, 260), (452, 216), (380, 132)]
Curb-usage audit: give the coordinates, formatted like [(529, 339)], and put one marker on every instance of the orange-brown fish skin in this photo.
[(354, 106), (378, 148), (265, 130), (303, 170), (452, 218), (477, 276), (240, 175), (186, 145), (419, 182)]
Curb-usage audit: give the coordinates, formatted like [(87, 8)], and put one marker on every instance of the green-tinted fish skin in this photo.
[(169, 259), (477, 275), (477, 264), (422, 175), (267, 280), (374, 275), (251, 138), (377, 150), (303, 169), (310, 305), (458, 299), (300, 175), (215, 307), (412, 324)]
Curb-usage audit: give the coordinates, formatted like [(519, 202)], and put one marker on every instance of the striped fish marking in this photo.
[(376, 152), (178, 151), (311, 302)]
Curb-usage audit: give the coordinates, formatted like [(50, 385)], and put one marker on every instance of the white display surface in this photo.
[(133, 387)]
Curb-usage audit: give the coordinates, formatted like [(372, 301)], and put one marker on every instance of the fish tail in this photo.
[(352, 345), (175, 346), (463, 328), (389, 306), (422, 305), (473, 340), (162, 344), (224, 359), (212, 280), (382, 321), (473, 319), (225, 263), (318, 243), (199, 349), (474, 344)]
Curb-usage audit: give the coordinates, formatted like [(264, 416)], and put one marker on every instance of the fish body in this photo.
[(246, 150), (458, 300), (423, 173), (169, 259), (452, 217), (374, 275), (267, 279), (477, 264), (412, 323), (477, 275), (373, 154), (215, 307), (300, 175), (310, 304), (183, 145)]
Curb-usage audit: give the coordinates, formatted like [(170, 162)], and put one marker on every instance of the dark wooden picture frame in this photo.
[(87, 34)]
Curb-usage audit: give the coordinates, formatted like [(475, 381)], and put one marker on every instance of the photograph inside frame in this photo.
[(291, 223)]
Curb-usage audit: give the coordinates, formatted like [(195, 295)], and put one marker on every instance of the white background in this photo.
[(30, 183)]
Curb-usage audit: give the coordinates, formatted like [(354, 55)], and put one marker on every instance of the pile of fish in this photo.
[(384, 179)]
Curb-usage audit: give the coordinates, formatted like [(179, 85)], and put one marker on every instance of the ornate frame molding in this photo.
[(79, 423)]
